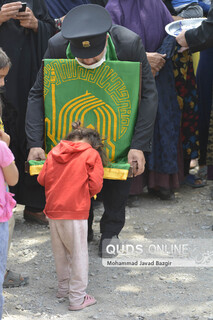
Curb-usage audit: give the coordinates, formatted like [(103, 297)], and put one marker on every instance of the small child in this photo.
[(71, 175), (9, 175)]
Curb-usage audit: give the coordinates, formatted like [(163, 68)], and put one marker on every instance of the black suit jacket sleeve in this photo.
[(128, 48), (144, 128), (202, 37), (34, 124)]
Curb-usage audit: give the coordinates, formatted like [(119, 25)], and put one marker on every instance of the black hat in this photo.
[(85, 27)]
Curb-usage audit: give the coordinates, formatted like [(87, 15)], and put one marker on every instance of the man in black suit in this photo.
[(95, 29)]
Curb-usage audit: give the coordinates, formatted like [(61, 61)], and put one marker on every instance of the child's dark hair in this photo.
[(4, 62), (90, 135)]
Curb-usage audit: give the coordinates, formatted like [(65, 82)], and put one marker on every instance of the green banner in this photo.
[(105, 98)]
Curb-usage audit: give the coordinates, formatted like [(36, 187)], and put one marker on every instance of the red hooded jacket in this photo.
[(71, 175)]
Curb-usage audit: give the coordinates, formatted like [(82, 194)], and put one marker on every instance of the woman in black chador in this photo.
[(23, 36)]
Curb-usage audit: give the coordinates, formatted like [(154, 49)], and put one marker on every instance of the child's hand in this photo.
[(5, 137)]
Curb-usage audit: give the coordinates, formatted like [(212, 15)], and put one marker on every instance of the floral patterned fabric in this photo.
[(187, 98), (209, 160)]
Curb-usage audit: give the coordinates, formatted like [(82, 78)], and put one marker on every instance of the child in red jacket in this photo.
[(71, 175)]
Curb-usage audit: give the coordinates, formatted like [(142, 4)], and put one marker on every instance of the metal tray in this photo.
[(175, 28)]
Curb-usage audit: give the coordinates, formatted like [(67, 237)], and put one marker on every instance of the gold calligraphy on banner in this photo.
[(106, 79)]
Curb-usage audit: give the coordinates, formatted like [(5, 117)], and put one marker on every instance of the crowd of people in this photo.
[(173, 126)]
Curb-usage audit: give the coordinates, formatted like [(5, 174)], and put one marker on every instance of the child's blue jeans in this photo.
[(4, 234)]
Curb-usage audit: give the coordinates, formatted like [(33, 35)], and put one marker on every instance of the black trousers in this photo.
[(114, 194)]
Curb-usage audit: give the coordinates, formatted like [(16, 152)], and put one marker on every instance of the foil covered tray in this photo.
[(175, 28)]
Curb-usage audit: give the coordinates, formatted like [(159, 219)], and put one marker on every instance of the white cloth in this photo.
[(94, 65)]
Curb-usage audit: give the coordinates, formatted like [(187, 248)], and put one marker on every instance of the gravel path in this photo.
[(122, 293)]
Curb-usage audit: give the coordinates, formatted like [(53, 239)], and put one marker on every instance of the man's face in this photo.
[(3, 73), (91, 61)]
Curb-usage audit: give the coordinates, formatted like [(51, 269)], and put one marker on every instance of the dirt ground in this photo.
[(122, 293)]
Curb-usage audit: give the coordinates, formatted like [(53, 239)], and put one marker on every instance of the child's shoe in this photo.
[(88, 301)]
